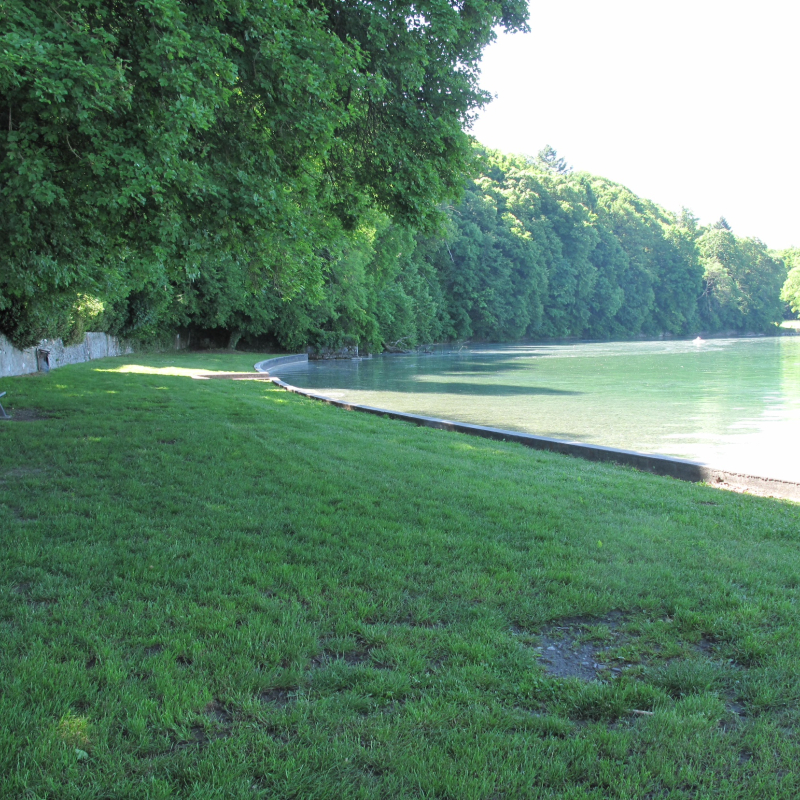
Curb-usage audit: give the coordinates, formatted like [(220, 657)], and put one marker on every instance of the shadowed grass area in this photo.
[(216, 589)]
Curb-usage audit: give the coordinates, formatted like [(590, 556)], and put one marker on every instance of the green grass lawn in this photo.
[(217, 589)]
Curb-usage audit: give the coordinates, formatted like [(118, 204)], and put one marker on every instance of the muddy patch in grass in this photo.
[(277, 697), (353, 652), (737, 714), (221, 719), (278, 734), (578, 647), (26, 414), (704, 645), (602, 649), (43, 603), (218, 713), (353, 657), (569, 659), (199, 737), (20, 473)]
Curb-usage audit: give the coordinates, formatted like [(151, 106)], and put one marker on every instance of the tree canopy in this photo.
[(790, 293), (548, 158), (156, 144), (302, 171)]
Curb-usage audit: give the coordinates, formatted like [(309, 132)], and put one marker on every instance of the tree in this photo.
[(790, 293), (548, 159), (155, 143), (721, 225), (742, 282)]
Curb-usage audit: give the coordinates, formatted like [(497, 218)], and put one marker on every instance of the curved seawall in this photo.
[(271, 363), (668, 466)]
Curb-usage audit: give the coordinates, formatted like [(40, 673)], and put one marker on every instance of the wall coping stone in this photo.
[(271, 363)]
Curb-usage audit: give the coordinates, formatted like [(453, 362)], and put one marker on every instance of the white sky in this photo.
[(692, 104)]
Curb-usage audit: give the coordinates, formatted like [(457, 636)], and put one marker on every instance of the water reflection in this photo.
[(496, 389), (733, 403)]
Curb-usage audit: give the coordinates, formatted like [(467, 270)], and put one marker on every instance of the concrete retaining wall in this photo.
[(679, 468), (24, 362)]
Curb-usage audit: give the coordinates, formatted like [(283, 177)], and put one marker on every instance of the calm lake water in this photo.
[(731, 403)]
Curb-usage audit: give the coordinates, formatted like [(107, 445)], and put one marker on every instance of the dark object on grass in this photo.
[(43, 358), (3, 414)]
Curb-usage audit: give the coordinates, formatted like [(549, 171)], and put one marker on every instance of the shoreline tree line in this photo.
[(299, 173)]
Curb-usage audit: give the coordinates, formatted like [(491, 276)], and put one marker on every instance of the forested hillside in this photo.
[(533, 250), (300, 174)]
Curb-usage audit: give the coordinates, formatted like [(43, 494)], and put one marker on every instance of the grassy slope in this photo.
[(217, 589)]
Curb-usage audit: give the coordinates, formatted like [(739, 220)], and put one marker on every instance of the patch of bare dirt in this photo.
[(737, 714), (217, 712), (25, 415), (578, 647), (20, 473), (703, 645), (278, 697), (360, 653), (200, 735)]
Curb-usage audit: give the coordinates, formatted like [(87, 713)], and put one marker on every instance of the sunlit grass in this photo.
[(187, 365), (216, 589), (139, 369)]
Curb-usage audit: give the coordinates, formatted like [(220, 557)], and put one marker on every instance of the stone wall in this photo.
[(326, 353), (32, 359)]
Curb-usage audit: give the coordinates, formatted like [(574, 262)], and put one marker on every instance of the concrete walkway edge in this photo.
[(667, 466)]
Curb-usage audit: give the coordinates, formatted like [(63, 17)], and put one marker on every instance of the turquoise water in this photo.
[(731, 403)]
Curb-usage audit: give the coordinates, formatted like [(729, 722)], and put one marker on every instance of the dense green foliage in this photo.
[(742, 282), (535, 250), (300, 602), (790, 294), (280, 170), (184, 162)]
